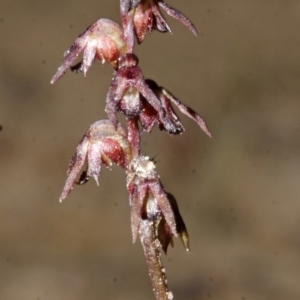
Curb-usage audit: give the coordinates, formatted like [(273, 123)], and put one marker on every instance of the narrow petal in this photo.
[(70, 57), (180, 226), (164, 235), (148, 116), (142, 20), (149, 95), (164, 205), (171, 114), (187, 111), (74, 168), (88, 56), (94, 161), (178, 16), (160, 21), (137, 199)]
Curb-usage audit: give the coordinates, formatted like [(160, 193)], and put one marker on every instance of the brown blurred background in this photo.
[(238, 192)]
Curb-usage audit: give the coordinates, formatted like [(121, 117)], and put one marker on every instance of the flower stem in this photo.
[(134, 136), (151, 247)]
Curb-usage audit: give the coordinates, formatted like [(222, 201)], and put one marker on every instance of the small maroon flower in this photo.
[(134, 96), (103, 40), (149, 201), (101, 144), (143, 183), (148, 17), (128, 84)]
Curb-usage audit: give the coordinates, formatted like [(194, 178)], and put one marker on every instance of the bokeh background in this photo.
[(238, 192)]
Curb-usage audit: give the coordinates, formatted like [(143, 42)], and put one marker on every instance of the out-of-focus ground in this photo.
[(238, 192)]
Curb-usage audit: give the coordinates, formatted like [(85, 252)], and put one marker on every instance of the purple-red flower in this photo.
[(101, 144), (148, 17), (149, 201), (126, 89), (134, 96), (103, 40), (143, 183)]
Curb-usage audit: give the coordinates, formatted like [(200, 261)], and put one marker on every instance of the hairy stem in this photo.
[(134, 136), (128, 26), (151, 247)]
